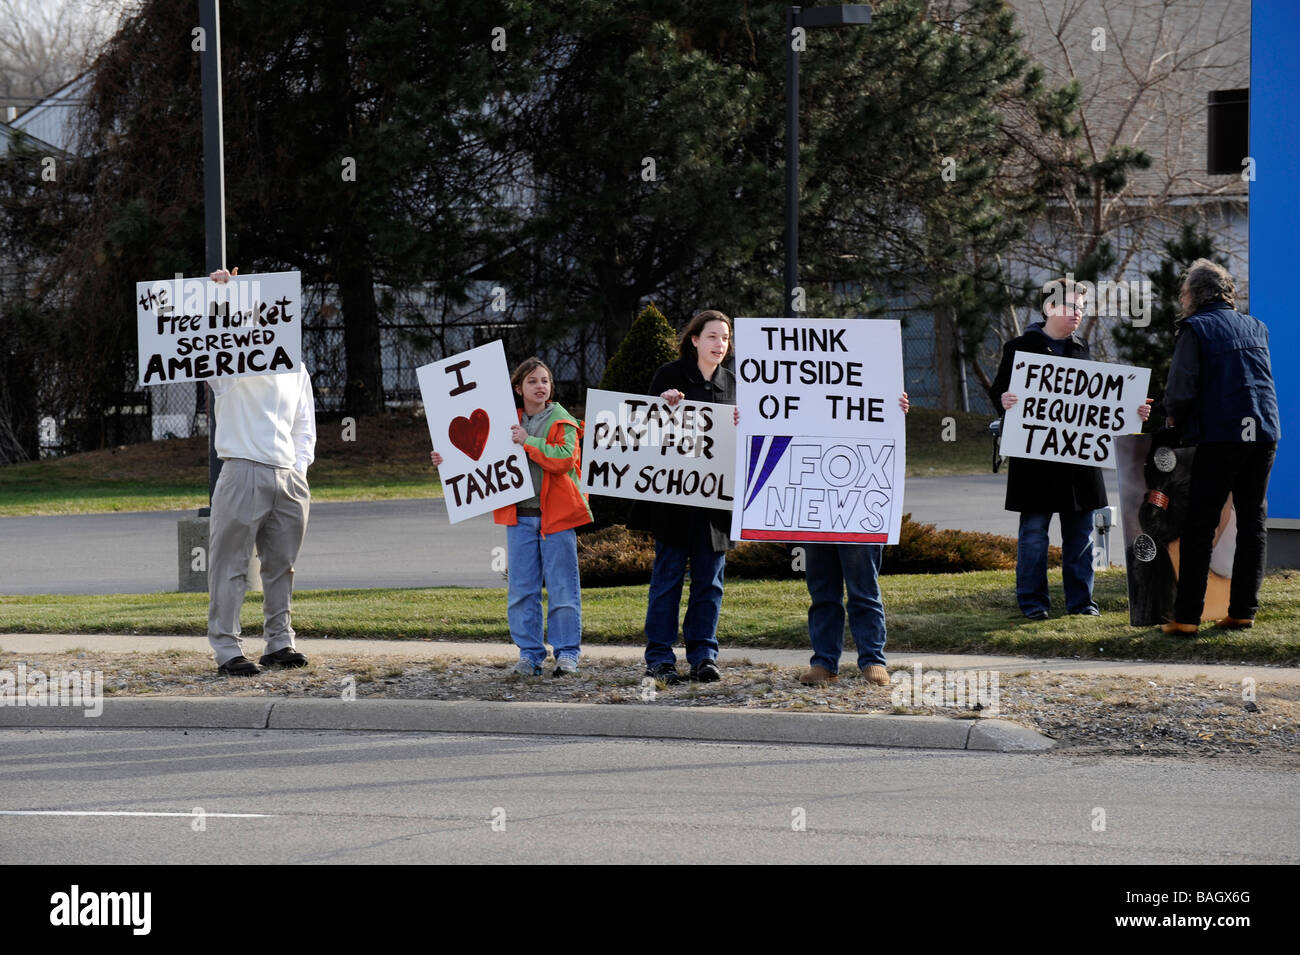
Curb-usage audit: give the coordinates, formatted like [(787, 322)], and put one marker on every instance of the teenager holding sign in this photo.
[(1038, 489), (541, 545), (689, 536)]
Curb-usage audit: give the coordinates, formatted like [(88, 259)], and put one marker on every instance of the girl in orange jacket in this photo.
[(541, 544)]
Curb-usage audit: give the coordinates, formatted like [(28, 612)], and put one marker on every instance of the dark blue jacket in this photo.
[(1220, 376)]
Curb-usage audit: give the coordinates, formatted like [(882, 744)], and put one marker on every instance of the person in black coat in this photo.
[(1038, 489), (694, 536)]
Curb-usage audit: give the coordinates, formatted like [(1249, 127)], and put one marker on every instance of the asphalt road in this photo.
[(349, 544), (334, 797), (371, 544)]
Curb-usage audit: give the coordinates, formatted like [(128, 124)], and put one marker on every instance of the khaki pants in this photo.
[(254, 503)]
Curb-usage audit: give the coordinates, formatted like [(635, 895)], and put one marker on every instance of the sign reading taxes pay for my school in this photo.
[(640, 447), (821, 446), (198, 329)]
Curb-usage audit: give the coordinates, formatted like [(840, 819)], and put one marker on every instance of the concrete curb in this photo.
[(167, 713), (542, 719)]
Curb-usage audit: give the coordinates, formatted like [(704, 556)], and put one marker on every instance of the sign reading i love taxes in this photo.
[(470, 408)]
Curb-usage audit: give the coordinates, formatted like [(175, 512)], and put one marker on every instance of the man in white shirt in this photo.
[(266, 437)]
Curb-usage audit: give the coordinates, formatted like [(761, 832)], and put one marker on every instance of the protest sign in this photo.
[(198, 329), (639, 447), (469, 406), (1071, 410), (1155, 493), (821, 445)]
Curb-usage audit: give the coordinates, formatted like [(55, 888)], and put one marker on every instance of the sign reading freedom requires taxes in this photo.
[(470, 408), (1071, 410), (640, 447), (197, 329), (821, 448)]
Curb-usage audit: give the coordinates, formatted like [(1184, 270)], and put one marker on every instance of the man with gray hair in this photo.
[(1220, 397)]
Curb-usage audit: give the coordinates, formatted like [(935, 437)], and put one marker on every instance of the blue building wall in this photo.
[(1275, 228)]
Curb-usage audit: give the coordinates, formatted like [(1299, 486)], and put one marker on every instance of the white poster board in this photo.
[(640, 447), (821, 447), (1071, 410), (198, 329), (470, 408)]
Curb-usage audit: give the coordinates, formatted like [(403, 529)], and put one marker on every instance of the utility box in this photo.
[(192, 557)]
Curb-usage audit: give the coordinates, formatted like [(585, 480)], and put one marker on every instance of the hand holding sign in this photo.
[(1071, 410), (821, 457), (200, 329), (467, 402), (671, 450)]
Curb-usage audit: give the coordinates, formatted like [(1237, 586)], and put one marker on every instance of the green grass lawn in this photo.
[(35, 498), (969, 613), (380, 459)]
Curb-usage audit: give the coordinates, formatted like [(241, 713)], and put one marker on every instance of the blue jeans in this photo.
[(831, 569), (536, 561), (1076, 562), (699, 629)]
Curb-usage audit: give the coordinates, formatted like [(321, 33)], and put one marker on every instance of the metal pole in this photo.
[(791, 160), (965, 392), (214, 187)]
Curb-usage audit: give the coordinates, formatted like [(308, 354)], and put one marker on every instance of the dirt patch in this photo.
[(1085, 713)]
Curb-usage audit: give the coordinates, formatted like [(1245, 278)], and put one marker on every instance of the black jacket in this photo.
[(1046, 487), (672, 523)]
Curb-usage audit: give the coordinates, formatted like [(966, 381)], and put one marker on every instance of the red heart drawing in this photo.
[(470, 434)]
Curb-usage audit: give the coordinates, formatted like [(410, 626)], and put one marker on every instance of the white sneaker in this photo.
[(565, 666)]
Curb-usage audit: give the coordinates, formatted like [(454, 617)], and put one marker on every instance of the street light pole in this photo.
[(791, 160), (844, 14), (214, 188)]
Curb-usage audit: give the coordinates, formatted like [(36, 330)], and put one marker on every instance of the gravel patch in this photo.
[(1085, 713)]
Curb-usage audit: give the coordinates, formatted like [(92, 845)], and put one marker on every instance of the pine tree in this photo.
[(650, 344), (656, 150), (1153, 346)]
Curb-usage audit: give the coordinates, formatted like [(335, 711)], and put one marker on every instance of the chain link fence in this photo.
[(168, 411)]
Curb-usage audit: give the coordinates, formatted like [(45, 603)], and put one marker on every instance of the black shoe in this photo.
[(665, 673), (706, 671), (238, 666), (287, 657), (1037, 615)]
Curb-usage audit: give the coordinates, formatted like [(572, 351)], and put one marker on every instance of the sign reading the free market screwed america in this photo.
[(1071, 410), (821, 445), (470, 408), (640, 447), (198, 329)]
